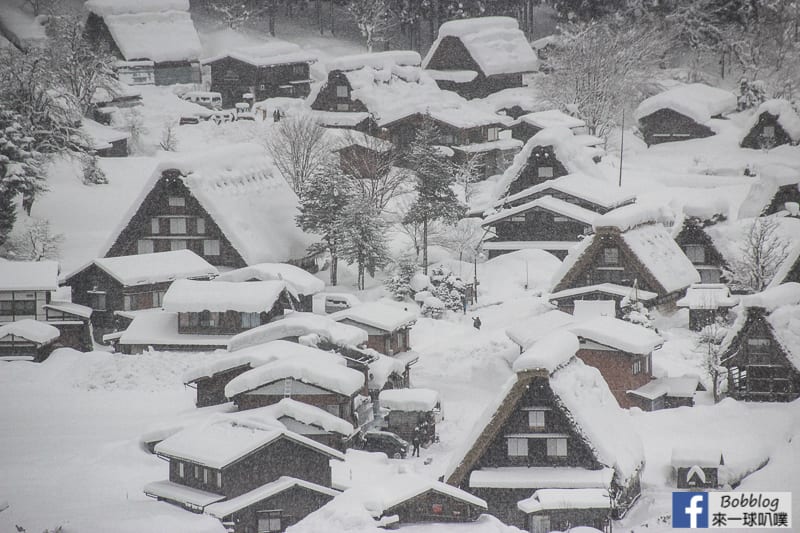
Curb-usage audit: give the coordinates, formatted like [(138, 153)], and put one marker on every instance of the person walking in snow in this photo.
[(476, 322), (415, 441)]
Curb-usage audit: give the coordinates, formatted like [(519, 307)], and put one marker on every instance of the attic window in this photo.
[(768, 131), (696, 253), (556, 447), (518, 218), (544, 172), (560, 219), (758, 345), (269, 521), (181, 472), (437, 508), (611, 256), (517, 447), (341, 91), (343, 107), (177, 201), (201, 226), (536, 419), (493, 134), (299, 70), (144, 246)]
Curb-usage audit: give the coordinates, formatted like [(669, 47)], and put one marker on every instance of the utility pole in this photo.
[(621, 146)]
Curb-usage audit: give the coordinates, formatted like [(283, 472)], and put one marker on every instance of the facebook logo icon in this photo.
[(689, 510)]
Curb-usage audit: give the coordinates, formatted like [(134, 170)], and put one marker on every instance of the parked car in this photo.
[(210, 100), (339, 301), (218, 117), (189, 120), (384, 441)]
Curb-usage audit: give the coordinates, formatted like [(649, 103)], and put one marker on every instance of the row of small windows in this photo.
[(200, 473), (212, 319), (518, 447), (147, 246), (177, 225), (524, 218), (17, 307), (142, 300)]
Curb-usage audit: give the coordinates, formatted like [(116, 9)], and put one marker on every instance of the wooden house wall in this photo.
[(524, 131), (118, 149), (683, 482), (228, 322), (451, 54), (616, 367), (502, 504), (156, 204), (75, 330), (754, 376), (542, 156), (786, 193), (211, 390), (232, 78), (22, 302), (710, 268), (174, 72), (130, 349), (794, 273), (96, 31), (666, 125), (327, 100), (538, 395), (540, 225), (282, 457), (294, 504), (12, 345), (754, 138), (432, 506), (93, 278), (566, 304), (565, 519), (404, 423), (269, 394)]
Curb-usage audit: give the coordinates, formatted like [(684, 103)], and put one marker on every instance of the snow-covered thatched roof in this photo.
[(267, 54), (697, 101), (190, 296), (145, 269), (496, 44), (548, 203), (246, 196), (786, 115), (28, 275), (591, 188), (619, 334), (313, 371), (299, 325), (551, 118), (150, 29), (299, 281), (228, 507), (378, 315)]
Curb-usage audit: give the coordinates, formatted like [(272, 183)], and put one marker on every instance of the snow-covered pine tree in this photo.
[(324, 199), (400, 283), (364, 241), (448, 288), (20, 168), (434, 177), (92, 173), (635, 312)]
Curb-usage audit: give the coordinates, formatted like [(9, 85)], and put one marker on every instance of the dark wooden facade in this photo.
[(118, 148), (539, 224), (404, 424), (451, 54), (785, 193), (336, 95), (531, 412), (16, 347), (282, 510), (542, 165), (75, 330), (281, 457), (382, 341), (700, 249), (666, 125), (686, 479), (165, 73), (229, 322), (621, 370), (233, 77), (211, 389), (565, 519), (766, 133), (566, 304), (434, 506), (151, 229), (759, 368)]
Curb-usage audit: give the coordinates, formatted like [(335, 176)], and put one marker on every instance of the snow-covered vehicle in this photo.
[(210, 100), (384, 441), (339, 301)]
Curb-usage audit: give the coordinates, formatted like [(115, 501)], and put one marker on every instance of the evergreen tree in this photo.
[(634, 311), (434, 177), (20, 169), (400, 283), (448, 288), (323, 203), (92, 173), (363, 240)]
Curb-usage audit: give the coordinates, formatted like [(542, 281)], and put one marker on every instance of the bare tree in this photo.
[(298, 146), (373, 168), (36, 242), (372, 19), (468, 171), (169, 137), (600, 68), (763, 250), (463, 238), (237, 13), (709, 347)]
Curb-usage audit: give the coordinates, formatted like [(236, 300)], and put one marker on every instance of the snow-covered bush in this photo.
[(433, 307), (92, 173), (635, 312), (448, 288)]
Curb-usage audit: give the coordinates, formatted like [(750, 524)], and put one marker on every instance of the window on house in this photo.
[(611, 256), (517, 447), (544, 172), (493, 134), (342, 107), (98, 299), (207, 319), (560, 219), (269, 521), (768, 131), (126, 302), (250, 320), (144, 246), (447, 139), (177, 201), (341, 91), (758, 345), (437, 508), (557, 447), (211, 247), (205, 475), (177, 226), (518, 218), (637, 367), (158, 298), (18, 307), (155, 226), (219, 479), (200, 224), (176, 244), (696, 253), (536, 419), (181, 472), (298, 70), (334, 409), (196, 472)]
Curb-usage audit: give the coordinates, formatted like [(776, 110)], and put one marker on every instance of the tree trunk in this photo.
[(425, 246), (319, 18), (333, 19), (334, 269), (272, 17), (361, 276)]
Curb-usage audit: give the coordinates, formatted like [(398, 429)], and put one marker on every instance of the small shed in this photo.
[(105, 140), (411, 411), (529, 125), (559, 509), (697, 468), (302, 284), (568, 299), (706, 302), (27, 339), (666, 393), (387, 326), (774, 123)]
